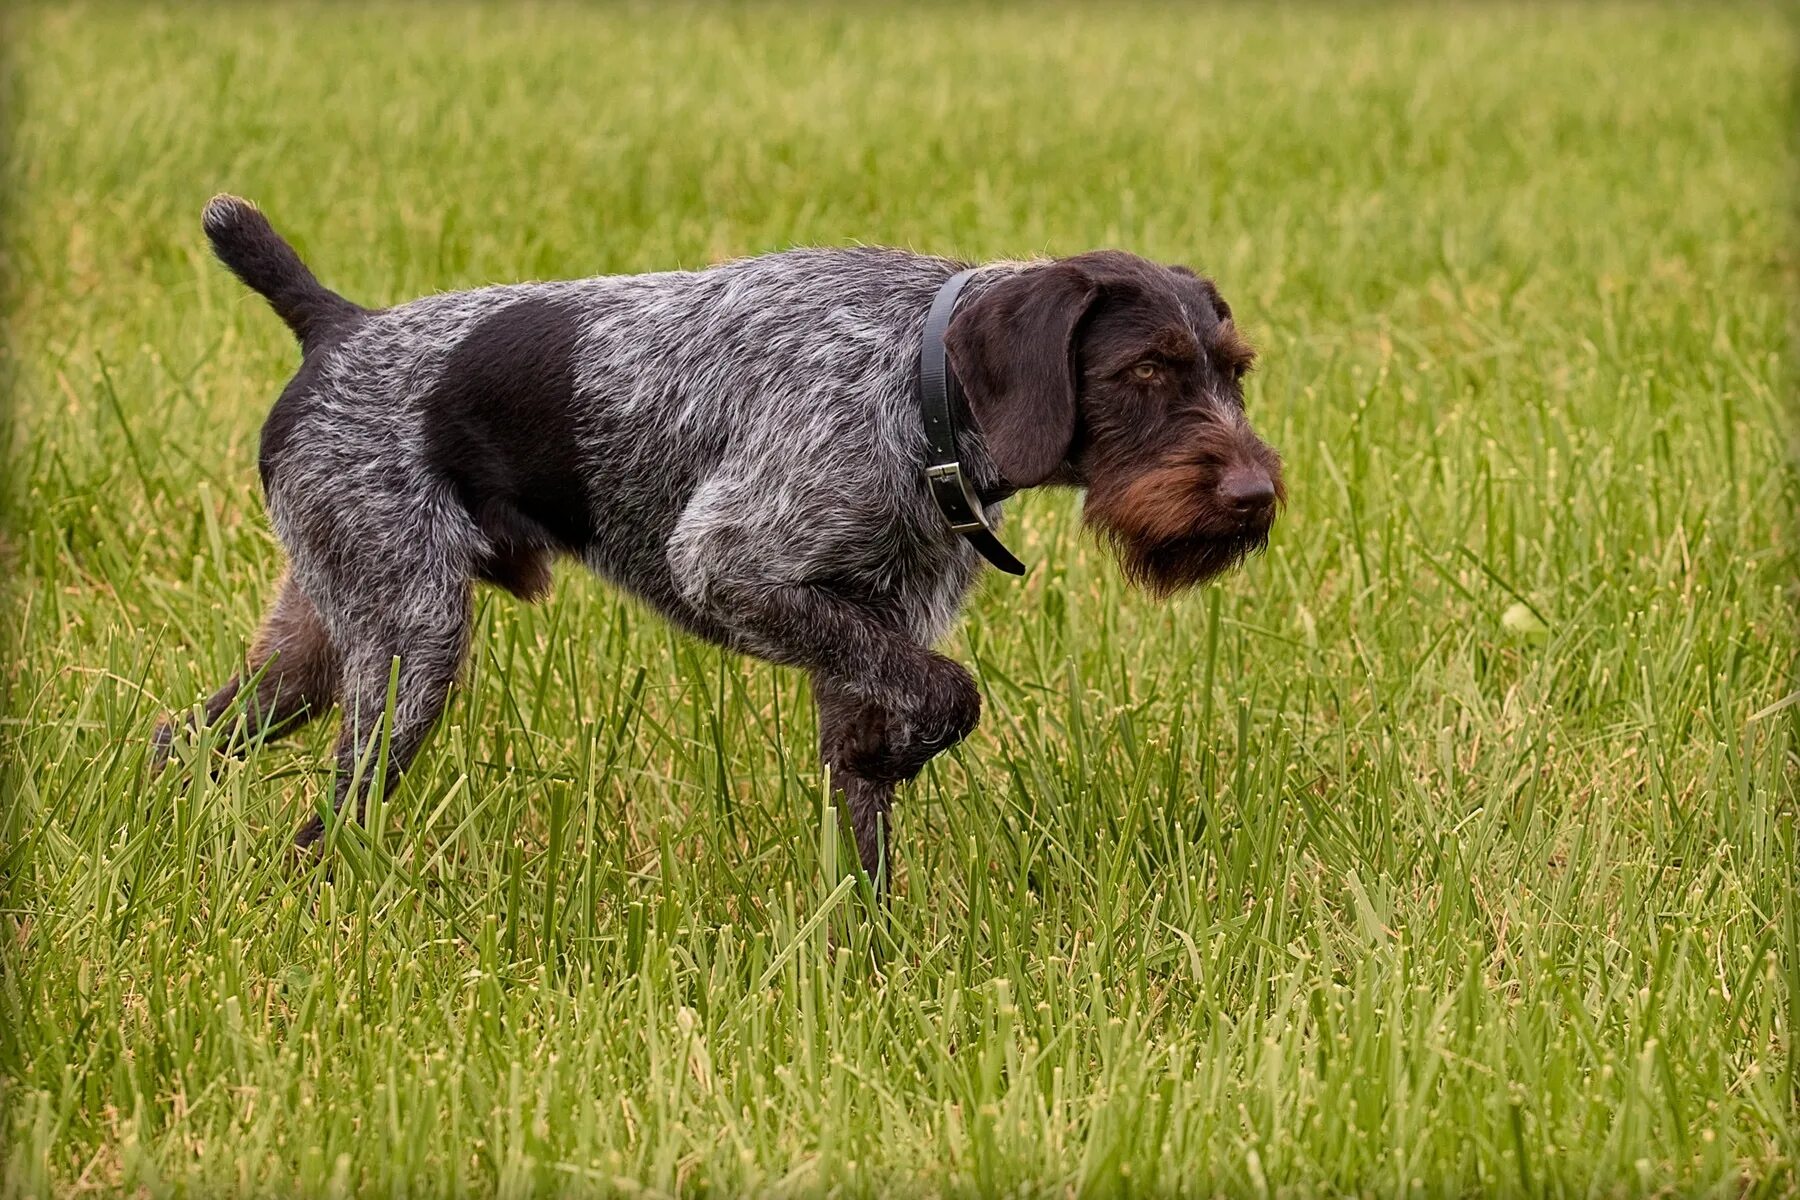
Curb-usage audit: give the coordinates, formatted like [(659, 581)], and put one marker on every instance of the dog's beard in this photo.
[(1167, 566), (1167, 531)]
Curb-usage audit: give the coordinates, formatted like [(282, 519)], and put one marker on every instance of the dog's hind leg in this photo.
[(424, 623), (294, 669)]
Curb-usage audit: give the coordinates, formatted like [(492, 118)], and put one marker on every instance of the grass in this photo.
[(1448, 848)]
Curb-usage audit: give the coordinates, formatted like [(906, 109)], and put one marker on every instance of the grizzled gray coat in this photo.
[(742, 448), (738, 446), (696, 438)]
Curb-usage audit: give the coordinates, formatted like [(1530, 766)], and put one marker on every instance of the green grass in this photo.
[(1450, 847)]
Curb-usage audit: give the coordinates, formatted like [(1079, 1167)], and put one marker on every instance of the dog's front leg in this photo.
[(871, 749), (887, 705), (852, 734)]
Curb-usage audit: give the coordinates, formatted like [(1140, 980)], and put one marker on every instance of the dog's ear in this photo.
[(1013, 350)]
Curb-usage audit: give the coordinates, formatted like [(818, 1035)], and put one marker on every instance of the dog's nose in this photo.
[(1247, 490)]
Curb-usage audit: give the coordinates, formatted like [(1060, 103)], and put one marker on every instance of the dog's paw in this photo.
[(890, 740), (947, 709), (162, 744), (941, 712), (309, 841)]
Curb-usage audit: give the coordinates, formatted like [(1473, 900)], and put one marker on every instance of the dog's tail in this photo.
[(245, 241)]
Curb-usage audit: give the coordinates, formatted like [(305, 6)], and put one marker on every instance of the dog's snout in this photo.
[(1248, 490)]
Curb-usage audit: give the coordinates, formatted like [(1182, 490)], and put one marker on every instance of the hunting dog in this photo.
[(742, 448)]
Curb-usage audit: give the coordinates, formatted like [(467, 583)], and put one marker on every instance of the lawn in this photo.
[(1449, 847)]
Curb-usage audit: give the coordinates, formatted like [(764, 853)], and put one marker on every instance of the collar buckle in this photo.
[(948, 483)]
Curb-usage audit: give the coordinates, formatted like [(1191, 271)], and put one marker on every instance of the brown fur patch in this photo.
[(1166, 523), (295, 672), (1164, 502), (298, 663)]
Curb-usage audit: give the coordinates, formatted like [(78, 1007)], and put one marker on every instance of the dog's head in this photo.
[(1116, 374)]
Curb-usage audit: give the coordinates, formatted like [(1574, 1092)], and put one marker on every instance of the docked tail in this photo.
[(245, 241)]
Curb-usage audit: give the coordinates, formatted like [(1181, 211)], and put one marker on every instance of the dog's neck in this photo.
[(941, 406)]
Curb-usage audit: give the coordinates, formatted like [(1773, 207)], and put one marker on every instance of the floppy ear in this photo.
[(1013, 350)]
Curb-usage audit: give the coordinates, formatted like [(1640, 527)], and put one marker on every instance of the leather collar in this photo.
[(940, 399)]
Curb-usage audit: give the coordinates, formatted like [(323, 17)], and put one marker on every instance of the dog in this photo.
[(741, 448)]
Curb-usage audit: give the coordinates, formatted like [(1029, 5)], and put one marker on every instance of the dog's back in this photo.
[(506, 425)]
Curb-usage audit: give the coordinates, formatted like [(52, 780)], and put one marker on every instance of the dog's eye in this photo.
[(1146, 370)]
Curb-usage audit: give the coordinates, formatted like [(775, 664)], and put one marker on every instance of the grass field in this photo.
[(1449, 848)]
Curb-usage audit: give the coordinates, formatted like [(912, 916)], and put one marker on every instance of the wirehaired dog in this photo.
[(740, 447)]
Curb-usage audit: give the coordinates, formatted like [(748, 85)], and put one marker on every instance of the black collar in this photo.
[(940, 395)]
